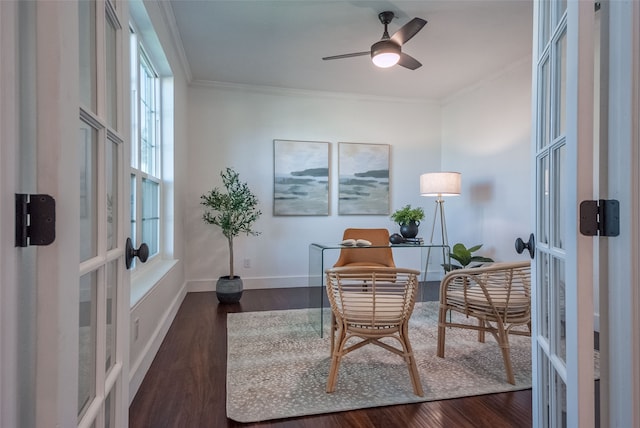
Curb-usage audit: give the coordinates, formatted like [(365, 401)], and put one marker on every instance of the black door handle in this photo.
[(142, 253), (530, 245)]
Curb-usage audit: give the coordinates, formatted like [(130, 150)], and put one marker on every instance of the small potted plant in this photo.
[(465, 257), (409, 220), (234, 211)]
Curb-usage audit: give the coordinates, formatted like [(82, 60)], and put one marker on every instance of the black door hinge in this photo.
[(35, 220), (600, 218)]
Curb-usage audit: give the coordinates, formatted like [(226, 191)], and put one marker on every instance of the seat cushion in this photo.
[(475, 298), (358, 307)]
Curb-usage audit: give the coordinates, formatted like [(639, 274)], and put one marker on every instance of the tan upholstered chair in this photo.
[(366, 257), (380, 309), (498, 295)]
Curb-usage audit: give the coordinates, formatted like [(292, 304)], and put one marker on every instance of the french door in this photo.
[(103, 125), (562, 333), (65, 306)]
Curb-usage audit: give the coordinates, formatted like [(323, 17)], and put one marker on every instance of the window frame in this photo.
[(141, 59)]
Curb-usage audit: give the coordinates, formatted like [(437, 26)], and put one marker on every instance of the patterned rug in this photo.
[(277, 366)]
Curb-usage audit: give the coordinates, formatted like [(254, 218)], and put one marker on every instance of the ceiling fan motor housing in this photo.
[(384, 46)]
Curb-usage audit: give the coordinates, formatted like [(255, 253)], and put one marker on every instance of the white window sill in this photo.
[(145, 278)]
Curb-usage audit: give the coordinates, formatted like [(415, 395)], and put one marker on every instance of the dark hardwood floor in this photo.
[(185, 386)]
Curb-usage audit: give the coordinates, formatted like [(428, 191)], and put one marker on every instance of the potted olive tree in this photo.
[(408, 219), (234, 210)]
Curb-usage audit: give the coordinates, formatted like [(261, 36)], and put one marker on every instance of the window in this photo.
[(146, 143), (151, 164)]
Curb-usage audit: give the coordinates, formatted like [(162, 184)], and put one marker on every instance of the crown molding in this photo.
[(176, 39), (306, 93)]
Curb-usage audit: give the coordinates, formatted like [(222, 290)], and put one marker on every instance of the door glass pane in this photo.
[(561, 402), (544, 24), (87, 341), (544, 388), (87, 47), (150, 214), (543, 200), (110, 411), (544, 105), (112, 194), (111, 294), (111, 73), (88, 191), (559, 196), (561, 82), (560, 309), (543, 299), (560, 9)]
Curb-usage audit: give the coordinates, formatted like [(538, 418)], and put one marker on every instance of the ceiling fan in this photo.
[(388, 50)]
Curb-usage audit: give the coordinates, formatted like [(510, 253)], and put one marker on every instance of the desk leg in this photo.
[(316, 289)]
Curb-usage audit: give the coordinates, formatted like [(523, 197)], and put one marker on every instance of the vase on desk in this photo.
[(409, 230)]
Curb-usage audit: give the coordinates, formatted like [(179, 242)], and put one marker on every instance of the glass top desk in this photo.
[(323, 256)]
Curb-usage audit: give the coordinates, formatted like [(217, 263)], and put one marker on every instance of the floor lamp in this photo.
[(439, 184)]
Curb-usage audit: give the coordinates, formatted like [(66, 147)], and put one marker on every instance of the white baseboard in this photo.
[(258, 283), (139, 368)]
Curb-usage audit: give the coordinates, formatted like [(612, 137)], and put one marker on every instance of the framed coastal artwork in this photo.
[(300, 178), (363, 186)]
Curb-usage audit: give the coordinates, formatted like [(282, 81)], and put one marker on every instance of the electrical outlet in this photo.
[(247, 263), (136, 328)]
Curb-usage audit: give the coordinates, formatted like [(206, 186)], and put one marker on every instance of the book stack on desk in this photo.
[(416, 241)]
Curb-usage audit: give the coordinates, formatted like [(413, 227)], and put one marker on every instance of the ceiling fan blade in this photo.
[(349, 55), (407, 61), (410, 29)]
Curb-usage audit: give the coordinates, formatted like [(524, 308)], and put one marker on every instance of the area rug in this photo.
[(277, 366)]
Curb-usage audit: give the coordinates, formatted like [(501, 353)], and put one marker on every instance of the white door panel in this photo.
[(562, 155)]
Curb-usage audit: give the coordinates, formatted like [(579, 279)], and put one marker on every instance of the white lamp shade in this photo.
[(440, 184)]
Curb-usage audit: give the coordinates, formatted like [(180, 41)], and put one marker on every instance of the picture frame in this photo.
[(363, 173), (300, 178)]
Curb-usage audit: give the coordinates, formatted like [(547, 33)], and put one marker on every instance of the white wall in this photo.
[(235, 126), (483, 132), (486, 132)]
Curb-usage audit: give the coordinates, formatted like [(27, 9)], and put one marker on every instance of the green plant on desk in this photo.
[(465, 257), (406, 214)]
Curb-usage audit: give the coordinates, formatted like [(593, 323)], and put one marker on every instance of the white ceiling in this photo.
[(281, 43)]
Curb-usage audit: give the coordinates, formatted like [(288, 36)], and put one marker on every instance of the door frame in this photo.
[(620, 279)]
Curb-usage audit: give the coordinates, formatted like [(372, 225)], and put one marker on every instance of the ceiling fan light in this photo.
[(385, 60), (385, 53)]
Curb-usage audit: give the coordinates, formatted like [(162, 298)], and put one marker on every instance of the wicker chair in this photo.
[(380, 309), (499, 295), (366, 257)]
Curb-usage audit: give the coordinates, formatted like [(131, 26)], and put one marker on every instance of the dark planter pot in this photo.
[(229, 290), (409, 230)]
